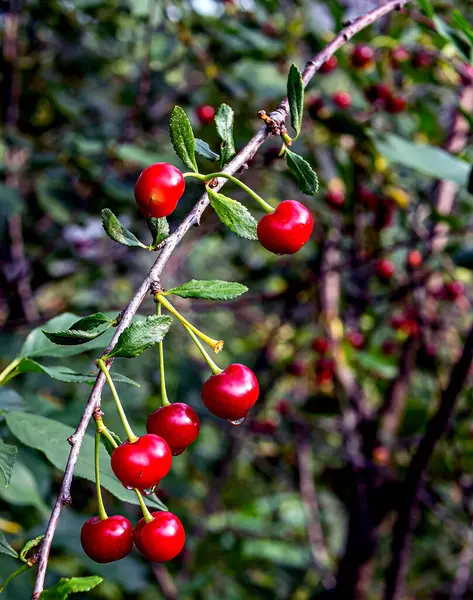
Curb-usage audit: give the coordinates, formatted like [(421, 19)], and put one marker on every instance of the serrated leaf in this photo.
[(108, 446), (209, 289), (224, 124), (305, 177), (91, 322), (204, 150), (65, 587), (29, 545), (8, 454), (234, 215), (49, 436), (140, 336), (295, 96), (5, 547), (115, 230), (182, 138), (159, 230), (70, 337)]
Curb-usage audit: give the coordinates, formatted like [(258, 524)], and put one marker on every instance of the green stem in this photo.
[(216, 345), (23, 567), (146, 514), (264, 205), (129, 432), (102, 512), (216, 370), (11, 367), (164, 394), (106, 433)]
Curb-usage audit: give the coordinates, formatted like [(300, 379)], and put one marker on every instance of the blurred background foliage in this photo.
[(86, 91)]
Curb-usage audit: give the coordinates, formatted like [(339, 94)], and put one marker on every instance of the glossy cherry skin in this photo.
[(142, 464), (342, 100), (232, 393), (176, 423), (205, 113), (329, 65), (158, 190), (362, 56), (108, 540), (385, 269), (161, 539), (287, 229)]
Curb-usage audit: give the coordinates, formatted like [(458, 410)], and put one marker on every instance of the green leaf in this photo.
[(224, 123), (91, 322), (427, 8), (233, 215), (108, 446), (423, 158), (8, 455), (295, 95), (5, 547), (65, 587), (37, 344), (209, 290), (305, 177), (376, 363), (140, 336), (70, 337), (29, 545), (459, 22), (50, 437), (136, 154), (23, 489), (115, 230), (159, 230), (182, 138), (204, 150)]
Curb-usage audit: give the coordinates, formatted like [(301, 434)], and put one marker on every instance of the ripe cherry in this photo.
[(161, 539), (452, 290), (329, 65), (321, 345), (158, 190), (143, 463), (422, 59), (362, 56), (232, 393), (414, 259), (177, 423), (399, 55), (342, 100), (335, 198), (385, 269), (287, 229), (395, 104), (205, 113), (356, 339), (108, 540), (378, 93)]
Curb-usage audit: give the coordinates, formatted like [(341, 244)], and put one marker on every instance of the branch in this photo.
[(435, 428), (193, 218)]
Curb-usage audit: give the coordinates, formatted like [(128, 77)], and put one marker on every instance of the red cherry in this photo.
[(108, 540), (287, 229), (161, 539), (335, 198), (395, 104), (453, 290), (385, 269), (158, 190), (321, 345), (267, 426), (342, 100), (329, 65), (142, 464), (178, 424), (232, 393), (378, 93), (357, 340), (362, 56), (205, 113), (422, 59), (399, 55), (414, 259)]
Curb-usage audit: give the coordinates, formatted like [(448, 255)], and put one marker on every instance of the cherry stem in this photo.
[(146, 514), (9, 370), (264, 205), (164, 395), (24, 567), (102, 512), (126, 425), (216, 370), (216, 345)]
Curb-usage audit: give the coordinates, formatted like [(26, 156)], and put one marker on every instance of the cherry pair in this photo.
[(111, 539)]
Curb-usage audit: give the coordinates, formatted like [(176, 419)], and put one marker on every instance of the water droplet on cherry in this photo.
[(148, 491), (129, 487), (237, 422)]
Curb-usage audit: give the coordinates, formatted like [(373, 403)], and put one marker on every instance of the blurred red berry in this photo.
[(378, 93), (414, 259), (356, 339), (329, 65), (335, 198), (283, 407), (452, 290), (342, 100), (385, 269), (367, 197), (362, 56), (381, 456), (296, 368), (266, 426), (388, 347), (466, 74), (422, 59), (324, 365), (315, 106), (399, 55), (395, 104), (321, 345), (205, 113)]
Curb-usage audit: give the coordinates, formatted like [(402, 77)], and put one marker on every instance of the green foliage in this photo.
[(5, 547), (67, 586), (182, 138), (233, 215), (209, 290), (204, 150), (30, 544), (140, 336), (305, 177), (295, 95), (159, 230), (224, 123), (8, 454), (115, 230)]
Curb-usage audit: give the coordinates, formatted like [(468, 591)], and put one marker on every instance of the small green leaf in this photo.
[(182, 138), (65, 587), (8, 455), (234, 215), (70, 337), (204, 150), (295, 95), (108, 446), (91, 322), (5, 547), (305, 177), (209, 290), (159, 230), (140, 336), (115, 230), (29, 545), (224, 123)]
